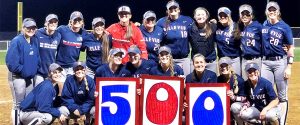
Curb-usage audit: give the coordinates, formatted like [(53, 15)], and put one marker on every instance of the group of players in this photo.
[(48, 82)]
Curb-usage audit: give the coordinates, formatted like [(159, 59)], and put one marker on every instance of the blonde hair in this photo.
[(129, 32), (171, 64)]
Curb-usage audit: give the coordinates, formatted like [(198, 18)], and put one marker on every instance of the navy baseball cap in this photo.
[(117, 50), (55, 66), (29, 22), (76, 64), (171, 4), (225, 60), (245, 7), (164, 48), (251, 65), (50, 17), (273, 4), (149, 14), (124, 9), (97, 20), (225, 10), (134, 49), (76, 14)]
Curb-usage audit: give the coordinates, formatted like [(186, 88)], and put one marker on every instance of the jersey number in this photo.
[(250, 42), (274, 41), (183, 34)]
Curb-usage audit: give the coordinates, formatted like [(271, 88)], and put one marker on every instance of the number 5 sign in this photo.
[(117, 102), (208, 104), (162, 100)]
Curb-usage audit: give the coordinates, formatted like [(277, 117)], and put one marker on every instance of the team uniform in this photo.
[(274, 62), (207, 77), (205, 46), (48, 45), (104, 71), (144, 68), (157, 70), (118, 32), (152, 40), (251, 45), (68, 50), (258, 97), (93, 48), (22, 61), (228, 46), (176, 37), (40, 104)]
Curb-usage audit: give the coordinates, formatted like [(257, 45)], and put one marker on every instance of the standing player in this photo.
[(38, 107), (71, 39), (250, 36), (152, 34), (262, 102), (227, 43), (126, 34), (277, 63), (166, 66), (49, 40), (202, 38), (175, 27), (97, 45), (200, 74), (114, 67), (22, 60)]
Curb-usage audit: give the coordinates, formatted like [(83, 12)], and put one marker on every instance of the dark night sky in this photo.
[(38, 9)]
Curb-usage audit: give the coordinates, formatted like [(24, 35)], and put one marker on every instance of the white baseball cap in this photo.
[(225, 10), (97, 20), (76, 14), (124, 9), (245, 7), (50, 17), (149, 14), (171, 4), (29, 22), (273, 4)]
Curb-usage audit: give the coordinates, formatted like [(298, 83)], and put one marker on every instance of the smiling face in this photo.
[(246, 17), (99, 28), (253, 74), (273, 13), (76, 24), (223, 18), (173, 12), (124, 17), (164, 57), (134, 58), (199, 64), (52, 24), (117, 58), (29, 31), (200, 16), (149, 22), (224, 69), (79, 72), (55, 76)]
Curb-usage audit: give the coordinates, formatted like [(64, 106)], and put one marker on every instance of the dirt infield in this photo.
[(294, 98)]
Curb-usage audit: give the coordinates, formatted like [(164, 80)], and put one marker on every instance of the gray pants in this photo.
[(35, 116), (38, 79), (184, 64), (20, 87), (245, 62), (251, 114), (65, 111)]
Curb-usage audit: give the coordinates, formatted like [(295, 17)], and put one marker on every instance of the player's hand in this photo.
[(230, 94), (83, 117), (287, 73), (137, 24), (62, 118), (96, 94), (213, 21), (138, 91), (243, 109), (262, 115), (285, 48), (76, 112)]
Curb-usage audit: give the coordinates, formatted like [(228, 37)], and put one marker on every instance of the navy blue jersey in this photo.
[(207, 77), (22, 58), (261, 95), (157, 70), (152, 40), (176, 35), (41, 99), (227, 45), (76, 96), (240, 80), (144, 68), (201, 44), (47, 47), (105, 71), (93, 49), (69, 48), (251, 40), (275, 36)]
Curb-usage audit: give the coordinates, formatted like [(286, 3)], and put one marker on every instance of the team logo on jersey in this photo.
[(31, 53), (54, 42), (79, 38), (80, 92), (202, 34)]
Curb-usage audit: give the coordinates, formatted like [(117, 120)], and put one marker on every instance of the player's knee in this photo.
[(235, 108), (47, 119), (64, 110), (246, 116), (271, 117)]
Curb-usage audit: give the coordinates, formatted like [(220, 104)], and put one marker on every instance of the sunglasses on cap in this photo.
[(272, 9), (222, 14), (77, 20), (150, 19), (246, 13), (31, 28), (123, 13)]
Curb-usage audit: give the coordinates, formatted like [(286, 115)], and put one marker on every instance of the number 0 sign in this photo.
[(117, 102), (162, 100), (208, 104)]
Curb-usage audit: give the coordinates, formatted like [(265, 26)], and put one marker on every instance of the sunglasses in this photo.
[(77, 20), (31, 28), (223, 15), (150, 19), (101, 24), (272, 9), (53, 21), (246, 13)]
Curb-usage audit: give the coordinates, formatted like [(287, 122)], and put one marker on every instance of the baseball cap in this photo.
[(245, 7), (225, 60), (225, 10), (273, 4), (124, 9), (164, 48), (50, 17), (171, 4), (76, 14), (149, 14), (97, 20), (29, 22), (117, 50), (76, 64), (251, 65), (134, 49), (55, 66)]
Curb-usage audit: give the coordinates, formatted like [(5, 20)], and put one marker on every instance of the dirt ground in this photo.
[(294, 100)]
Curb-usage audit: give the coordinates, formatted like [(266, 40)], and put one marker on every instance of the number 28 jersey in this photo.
[(275, 36)]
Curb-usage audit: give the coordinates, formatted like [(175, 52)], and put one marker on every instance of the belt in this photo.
[(272, 58), (250, 57)]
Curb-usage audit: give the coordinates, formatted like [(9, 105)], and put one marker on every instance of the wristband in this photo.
[(290, 60)]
